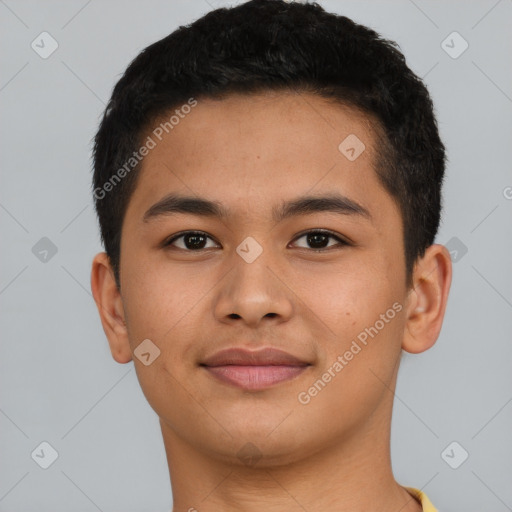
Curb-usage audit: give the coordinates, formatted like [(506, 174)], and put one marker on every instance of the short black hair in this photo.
[(264, 45)]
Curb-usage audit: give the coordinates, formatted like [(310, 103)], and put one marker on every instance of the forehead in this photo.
[(284, 121), (258, 148)]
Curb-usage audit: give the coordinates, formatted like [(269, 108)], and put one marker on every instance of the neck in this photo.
[(353, 475)]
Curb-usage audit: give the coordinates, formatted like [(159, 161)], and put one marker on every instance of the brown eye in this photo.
[(319, 240), (190, 241)]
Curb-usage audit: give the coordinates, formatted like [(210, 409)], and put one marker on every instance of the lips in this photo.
[(262, 357), (254, 370)]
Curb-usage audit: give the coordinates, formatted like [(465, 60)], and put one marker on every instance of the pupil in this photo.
[(197, 241), (317, 240)]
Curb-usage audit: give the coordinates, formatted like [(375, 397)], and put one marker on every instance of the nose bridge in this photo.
[(252, 290)]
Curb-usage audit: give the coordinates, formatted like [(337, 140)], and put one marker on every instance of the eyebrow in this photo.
[(334, 203)]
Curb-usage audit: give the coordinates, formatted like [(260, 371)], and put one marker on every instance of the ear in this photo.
[(110, 307), (426, 302)]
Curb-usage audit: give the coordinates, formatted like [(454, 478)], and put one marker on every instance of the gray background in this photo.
[(58, 381)]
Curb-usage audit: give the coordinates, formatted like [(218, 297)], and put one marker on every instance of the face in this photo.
[(323, 281)]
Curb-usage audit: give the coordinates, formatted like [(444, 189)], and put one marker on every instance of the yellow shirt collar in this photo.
[(422, 498)]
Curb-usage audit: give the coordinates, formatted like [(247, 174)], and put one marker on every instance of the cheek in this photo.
[(357, 370), (346, 296), (358, 312), (157, 297)]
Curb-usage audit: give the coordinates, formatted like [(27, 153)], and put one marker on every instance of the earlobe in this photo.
[(110, 307), (427, 299)]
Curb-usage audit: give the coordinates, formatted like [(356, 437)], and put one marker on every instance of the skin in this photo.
[(251, 153)]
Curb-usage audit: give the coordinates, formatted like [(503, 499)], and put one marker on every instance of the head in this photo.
[(273, 45), (282, 119)]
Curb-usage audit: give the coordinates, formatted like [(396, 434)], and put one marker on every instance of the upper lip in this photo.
[(245, 357)]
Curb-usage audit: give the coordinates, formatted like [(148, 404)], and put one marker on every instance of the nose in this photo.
[(252, 293)]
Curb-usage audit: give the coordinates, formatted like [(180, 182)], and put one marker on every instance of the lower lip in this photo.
[(254, 378)]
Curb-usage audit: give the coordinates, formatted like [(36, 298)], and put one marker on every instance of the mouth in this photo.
[(254, 378), (254, 370)]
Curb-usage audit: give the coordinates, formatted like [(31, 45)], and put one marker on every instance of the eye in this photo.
[(318, 239), (191, 241)]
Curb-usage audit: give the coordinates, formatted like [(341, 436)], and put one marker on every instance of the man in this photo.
[(268, 185)]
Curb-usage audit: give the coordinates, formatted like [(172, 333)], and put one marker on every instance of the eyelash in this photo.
[(330, 234)]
